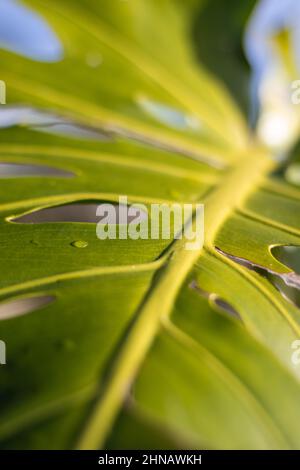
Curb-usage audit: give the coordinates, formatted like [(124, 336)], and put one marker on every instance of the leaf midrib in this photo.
[(162, 293)]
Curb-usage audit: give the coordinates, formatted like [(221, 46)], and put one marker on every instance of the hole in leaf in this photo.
[(226, 307), (287, 290), (25, 32), (15, 170), (168, 115), (85, 212), (68, 129), (288, 255), (48, 123), (18, 307), (219, 303), (288, 284)]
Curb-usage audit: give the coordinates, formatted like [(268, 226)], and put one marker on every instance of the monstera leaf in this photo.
[(139, 343)]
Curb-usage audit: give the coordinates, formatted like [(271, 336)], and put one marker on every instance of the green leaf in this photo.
[(141, 343)]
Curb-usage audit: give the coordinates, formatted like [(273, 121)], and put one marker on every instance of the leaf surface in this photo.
[(135, 348)]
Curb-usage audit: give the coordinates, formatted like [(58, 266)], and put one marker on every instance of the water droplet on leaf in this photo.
[(79, 244), (93, 59)]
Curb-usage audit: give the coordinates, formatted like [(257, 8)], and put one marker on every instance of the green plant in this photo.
[(135, 347)]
